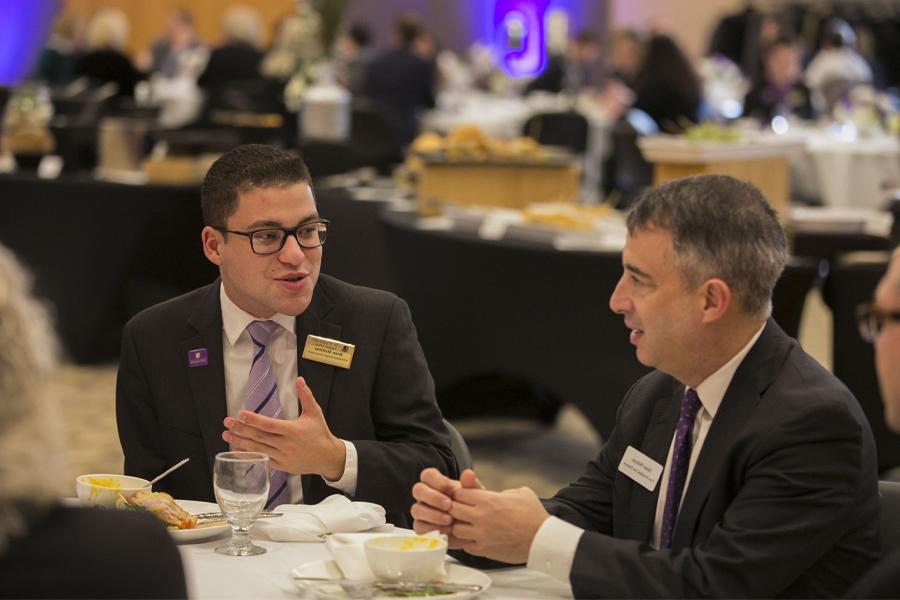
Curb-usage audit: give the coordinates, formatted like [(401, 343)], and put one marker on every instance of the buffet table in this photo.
[(211, 575)]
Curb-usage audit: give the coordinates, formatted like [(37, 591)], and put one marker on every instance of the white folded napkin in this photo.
[(312, 522), (349, 552)]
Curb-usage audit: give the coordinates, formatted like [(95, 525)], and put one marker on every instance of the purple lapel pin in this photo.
[(198, 357)]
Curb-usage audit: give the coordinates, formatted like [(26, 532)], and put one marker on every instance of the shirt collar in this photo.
[(235, 319), (712, 390)]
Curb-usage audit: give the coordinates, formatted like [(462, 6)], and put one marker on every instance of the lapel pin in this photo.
[(198, 357)]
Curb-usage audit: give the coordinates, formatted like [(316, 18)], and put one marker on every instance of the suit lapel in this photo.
[(207, 382), (751, 379), (656, 442), (318, 375)]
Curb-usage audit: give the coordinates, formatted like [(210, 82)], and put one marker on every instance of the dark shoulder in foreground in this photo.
[(93, 553)]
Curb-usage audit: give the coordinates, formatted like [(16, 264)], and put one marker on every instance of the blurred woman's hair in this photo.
[(32, 448), (665, 62), (242, 24), (108, 28)]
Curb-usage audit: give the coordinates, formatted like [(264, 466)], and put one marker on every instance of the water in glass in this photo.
[(241, 483)]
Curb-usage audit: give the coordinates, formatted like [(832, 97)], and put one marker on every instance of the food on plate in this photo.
[(162, 505), (710, 132), (565, 216), (469, 143)]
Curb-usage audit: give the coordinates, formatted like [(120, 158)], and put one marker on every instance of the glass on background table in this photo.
[(241, 484)]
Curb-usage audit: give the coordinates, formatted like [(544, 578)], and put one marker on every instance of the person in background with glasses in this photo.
[(879, 324), (325, 377)]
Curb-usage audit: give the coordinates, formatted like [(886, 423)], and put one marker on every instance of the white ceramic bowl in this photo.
[(103, 489), (407, 557)]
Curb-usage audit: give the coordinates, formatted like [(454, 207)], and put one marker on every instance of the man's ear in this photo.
[(717, 298), (212, 242)]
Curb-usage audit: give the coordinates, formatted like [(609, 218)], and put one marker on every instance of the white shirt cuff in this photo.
[(347, 482), (553, 548)]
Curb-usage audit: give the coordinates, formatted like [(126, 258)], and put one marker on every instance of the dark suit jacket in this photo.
[(92, 553), (384, 403), (783, 500), (882, 581)]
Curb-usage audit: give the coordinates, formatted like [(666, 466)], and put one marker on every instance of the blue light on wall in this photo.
[(24, 28), (518, 36)]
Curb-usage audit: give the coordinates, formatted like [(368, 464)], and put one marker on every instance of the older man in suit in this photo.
[(738, 468), (325, 377)]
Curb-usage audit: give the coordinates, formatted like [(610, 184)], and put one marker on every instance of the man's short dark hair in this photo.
[(242, 169), (721, 227)]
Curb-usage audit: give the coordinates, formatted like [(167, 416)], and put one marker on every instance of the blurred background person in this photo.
[(180, 53), (837, 68), (666, 86), (780, 90), (401, 81), (353, 53), (238, 57), (879, 325), (48, 550), (105, 60), (625, 52), (55, 64), (570, 72)]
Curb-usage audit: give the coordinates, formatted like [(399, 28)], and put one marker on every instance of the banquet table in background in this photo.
[(847, 172), (267, 576)]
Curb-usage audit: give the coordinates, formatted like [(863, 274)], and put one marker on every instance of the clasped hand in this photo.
[(303, 445), (497, 525)]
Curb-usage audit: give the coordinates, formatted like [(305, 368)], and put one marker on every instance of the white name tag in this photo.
[(641, 468)]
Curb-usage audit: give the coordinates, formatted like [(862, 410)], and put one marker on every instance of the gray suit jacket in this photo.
[(384, 404), (783, 500)]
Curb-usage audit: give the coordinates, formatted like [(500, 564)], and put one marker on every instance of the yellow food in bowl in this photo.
[(104, 482)]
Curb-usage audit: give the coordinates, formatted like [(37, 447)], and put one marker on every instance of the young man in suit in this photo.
[(224, 366), (879, 325), (738, 468)]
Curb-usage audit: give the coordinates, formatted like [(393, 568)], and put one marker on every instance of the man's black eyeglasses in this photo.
[(271, 240), (871, 319)]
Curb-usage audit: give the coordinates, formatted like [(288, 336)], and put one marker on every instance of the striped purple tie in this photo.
[(262, 397), (681, 458)]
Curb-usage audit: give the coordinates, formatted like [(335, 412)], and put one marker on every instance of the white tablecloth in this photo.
[(211, 575)]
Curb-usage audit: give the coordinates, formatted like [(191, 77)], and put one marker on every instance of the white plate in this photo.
[(456, 573), (199, 533)]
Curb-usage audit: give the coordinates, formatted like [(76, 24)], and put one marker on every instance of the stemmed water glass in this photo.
[(241, 483)]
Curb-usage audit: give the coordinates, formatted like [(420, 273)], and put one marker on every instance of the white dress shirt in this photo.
[(237, 351), (553, 548)]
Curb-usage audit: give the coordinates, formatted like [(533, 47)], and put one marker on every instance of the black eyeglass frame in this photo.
[(871, 319), (295, 231)]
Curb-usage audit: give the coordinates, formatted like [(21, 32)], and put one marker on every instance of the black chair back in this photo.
[(567, 129), (790, 293), (375, 139), (459, 446), (889, 517), (851, 282)]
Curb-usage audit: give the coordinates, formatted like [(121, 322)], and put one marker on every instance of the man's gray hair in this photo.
[(721, 227)]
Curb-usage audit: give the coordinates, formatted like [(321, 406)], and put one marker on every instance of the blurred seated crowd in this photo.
[(793, 62)]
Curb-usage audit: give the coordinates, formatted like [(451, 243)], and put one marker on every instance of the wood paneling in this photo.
[(147, 18)]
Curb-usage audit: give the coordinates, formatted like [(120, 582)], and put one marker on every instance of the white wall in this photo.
[(690, 22)]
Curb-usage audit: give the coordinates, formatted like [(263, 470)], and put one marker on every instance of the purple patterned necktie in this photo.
[(681, 458), (262, 397)]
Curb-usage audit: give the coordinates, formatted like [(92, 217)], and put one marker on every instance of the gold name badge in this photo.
[(330, 352)]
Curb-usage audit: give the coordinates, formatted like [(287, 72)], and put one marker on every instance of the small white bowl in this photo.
[(407, 557), (103, 489)]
